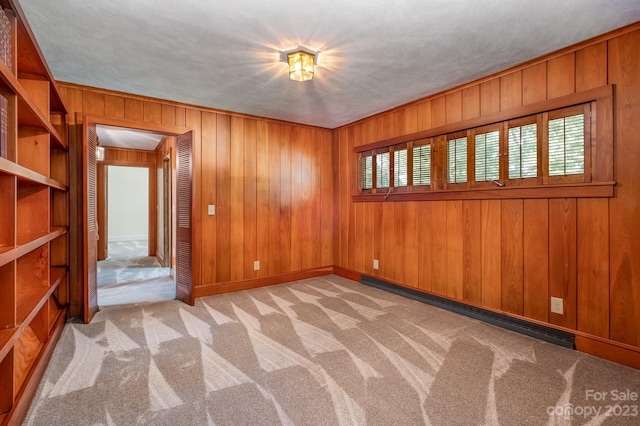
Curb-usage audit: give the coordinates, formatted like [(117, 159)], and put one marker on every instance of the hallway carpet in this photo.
[(322, 351), (130, 275)]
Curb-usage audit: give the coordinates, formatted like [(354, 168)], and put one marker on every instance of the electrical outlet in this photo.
[(256, 265), (557, 305), (211, 209), (375, 264)]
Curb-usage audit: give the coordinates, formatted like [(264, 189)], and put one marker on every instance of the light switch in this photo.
[(211, 209), (256, 265)]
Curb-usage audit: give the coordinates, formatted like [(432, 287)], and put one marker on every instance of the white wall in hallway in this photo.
[(128, 203)]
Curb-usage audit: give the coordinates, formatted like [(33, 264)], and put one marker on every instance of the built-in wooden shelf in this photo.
[(34, 218), (27, 175), (30, 300), (31, 242), (28, 113), (27, 312)]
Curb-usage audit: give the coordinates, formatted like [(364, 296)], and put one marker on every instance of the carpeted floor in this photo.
[(130, 275), (323, 351)]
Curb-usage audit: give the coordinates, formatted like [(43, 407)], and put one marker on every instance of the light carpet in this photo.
[(322, 351), (130, 275)]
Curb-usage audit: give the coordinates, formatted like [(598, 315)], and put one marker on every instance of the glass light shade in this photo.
[(300, 65), (99, 153)]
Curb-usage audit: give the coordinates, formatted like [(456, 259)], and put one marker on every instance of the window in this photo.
[(566, 145), (421, 165), (541, 150), (487, 152), (400, 167), (457, 160), (366, 171), (383, 170), (523, 151)]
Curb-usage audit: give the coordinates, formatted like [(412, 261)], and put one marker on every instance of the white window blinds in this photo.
[(523, 151), (366, 172), (422, 165), (487, 156), (566, 146), (400, 168), (457, 160), (382, 170)]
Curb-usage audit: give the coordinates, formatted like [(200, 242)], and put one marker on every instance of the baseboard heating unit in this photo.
[(541, 332)]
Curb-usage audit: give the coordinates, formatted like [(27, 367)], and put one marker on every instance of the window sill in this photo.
[(579, 190)]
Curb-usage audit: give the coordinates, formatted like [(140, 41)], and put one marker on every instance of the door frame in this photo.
[(84, 121)]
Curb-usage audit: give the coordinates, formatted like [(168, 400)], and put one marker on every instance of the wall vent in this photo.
[(547, 334)]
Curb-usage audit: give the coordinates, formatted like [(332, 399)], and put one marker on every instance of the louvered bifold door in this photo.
[(90, 141), (184, 170)]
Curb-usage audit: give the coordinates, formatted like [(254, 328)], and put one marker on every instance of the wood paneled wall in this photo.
[(512, 255), (271, 183)]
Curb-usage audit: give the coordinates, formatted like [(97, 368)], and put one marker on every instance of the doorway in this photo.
[(129, 271), (178, 144)]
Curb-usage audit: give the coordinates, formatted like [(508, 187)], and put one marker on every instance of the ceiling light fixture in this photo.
[(300, 65)]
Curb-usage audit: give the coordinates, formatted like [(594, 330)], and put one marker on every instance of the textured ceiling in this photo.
[(373, 54)]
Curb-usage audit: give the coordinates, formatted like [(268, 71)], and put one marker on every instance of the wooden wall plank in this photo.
[(236, 199), (411, 119), (113, 106), (397, 122), (511, 90), (387, 268), (208, 194), (439, 268), (168, 114), (455, 239), (562, 259), (152, 112), (92, 103), (438, 112), (398, 242), (378, 235), (512, 299), (311, 196), (490, 96), (561, 76), (536, 259), (285, 199), (453, 102), (472, 251), (262, 197), (368, 237), (274, 199), (534, 84), (624, 209), (591, 67), (351, 212), (360, 228), (327, 205), (425, 246), (343, 200), (250, 249), (223, 198), (491, 253), (424, 116), (593, 267), (134, 109), (471, 102), (412, 230), (297, 208)]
